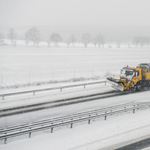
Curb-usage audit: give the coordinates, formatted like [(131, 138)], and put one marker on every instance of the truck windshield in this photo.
[(125, 72)]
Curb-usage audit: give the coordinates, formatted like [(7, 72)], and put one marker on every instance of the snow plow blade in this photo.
[(118, 87), (116, 84)]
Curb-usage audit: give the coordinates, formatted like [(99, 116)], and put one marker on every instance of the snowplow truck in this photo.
[(135, 79)]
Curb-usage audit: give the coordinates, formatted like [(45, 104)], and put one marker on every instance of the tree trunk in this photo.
[(85, 44)]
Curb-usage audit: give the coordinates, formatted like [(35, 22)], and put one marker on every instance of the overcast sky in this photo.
[(74, 12)]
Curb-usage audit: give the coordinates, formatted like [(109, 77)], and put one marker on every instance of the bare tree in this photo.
[(99, 39), (68, 41), (33, 34), (141, 41), (71, 39), (55, 37), (144, 41), (11, 36), (86, 38), (94, 40), (47, 39), (1, 38), (136, 41)]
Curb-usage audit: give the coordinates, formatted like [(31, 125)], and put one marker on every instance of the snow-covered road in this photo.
[(99, 134), (60, 111), (50, 95)]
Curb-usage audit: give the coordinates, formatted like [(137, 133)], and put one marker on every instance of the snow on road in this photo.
[(27, 99), (60, 111), (98, 134), (51, 95)]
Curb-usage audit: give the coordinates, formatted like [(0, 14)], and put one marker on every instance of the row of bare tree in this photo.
[(34, 35)]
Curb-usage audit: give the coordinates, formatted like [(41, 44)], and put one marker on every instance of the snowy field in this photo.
[(26, 65)]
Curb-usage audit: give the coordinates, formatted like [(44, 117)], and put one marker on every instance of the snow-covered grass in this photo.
[(26, 66)]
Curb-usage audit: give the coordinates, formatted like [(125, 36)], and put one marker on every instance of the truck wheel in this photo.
[(139, 86), (133, 89)]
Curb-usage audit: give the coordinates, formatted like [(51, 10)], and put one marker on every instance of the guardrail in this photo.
[(69, 120), (48, 89)]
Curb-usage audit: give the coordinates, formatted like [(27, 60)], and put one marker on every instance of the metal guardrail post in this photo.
[(29, 134), (105, 115), (52, 130), (89, 120), (5, 141), (133, 109), (60, 89), (33, 93), (71, 125), (84, 85), (2, 97)]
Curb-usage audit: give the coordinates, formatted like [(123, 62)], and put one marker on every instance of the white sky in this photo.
[(75, 12)]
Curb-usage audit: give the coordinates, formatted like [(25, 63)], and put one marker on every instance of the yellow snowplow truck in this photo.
[(131, 78)]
